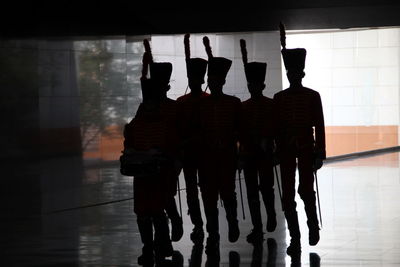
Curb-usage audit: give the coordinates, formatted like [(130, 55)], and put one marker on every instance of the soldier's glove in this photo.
[(275, 159), (317, 162), (178, 166), (241, 164), (275, 155)]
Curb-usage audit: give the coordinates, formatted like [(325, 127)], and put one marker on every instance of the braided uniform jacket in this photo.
[(189, 120), (146, 131), (149, 134), (219, 119), (257, 123), (156, 129), (299, 111), (168, 110), (153, 129)]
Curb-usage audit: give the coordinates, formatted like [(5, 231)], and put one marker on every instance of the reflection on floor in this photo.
[(90, 221)]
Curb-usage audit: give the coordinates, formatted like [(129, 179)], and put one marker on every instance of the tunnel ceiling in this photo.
[(128, 18)]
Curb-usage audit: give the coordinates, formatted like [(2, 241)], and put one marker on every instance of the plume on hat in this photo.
[(283, 35), (147, 58), (186, 42), (206, 43), (243, 50)]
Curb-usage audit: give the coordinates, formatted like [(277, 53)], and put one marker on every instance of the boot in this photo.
[(294, 249), (177, 229), (313, 233), (256, 236), (234, 231), (147, 257), (312, 222), (176, 221), (257, 255), (212, 225), (231, 216), (255, 214), (162, 242), (197, 235), (294, 231), (271, 221), (212, 247), (269, 203), (145, 226)]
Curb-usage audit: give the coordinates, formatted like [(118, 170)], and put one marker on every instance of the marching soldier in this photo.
[(189, 128), (256, 147), (219, 117), (151, 141), (301, 142), (169, 108)]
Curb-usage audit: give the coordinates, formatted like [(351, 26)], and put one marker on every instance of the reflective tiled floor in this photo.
[(87, 220)]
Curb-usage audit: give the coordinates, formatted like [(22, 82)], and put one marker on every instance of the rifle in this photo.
[(279, 186), (241, 194), (179, 197)]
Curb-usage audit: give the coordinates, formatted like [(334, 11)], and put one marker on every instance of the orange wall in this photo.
[(339, 140), (349, 139), (109, 147)]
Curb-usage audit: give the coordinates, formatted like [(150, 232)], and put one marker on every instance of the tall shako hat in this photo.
[(159, 71), (217, 66), (294, 59), (255, 71), (195, 67)]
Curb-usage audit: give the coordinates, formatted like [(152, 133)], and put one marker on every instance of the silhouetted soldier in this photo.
[(299, 113), (256, 147), (151, 142), (220, 125), (161, 74), (168, 108), (189, 128)]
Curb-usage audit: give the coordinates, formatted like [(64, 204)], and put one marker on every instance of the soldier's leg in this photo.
[(209, 192), (145, 226), (227, 192), (192, 197), (288, 174), (266, 174), (176, 220), (143, 210), (253, 199), (162, 242), (307, 194), (171, 208)]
